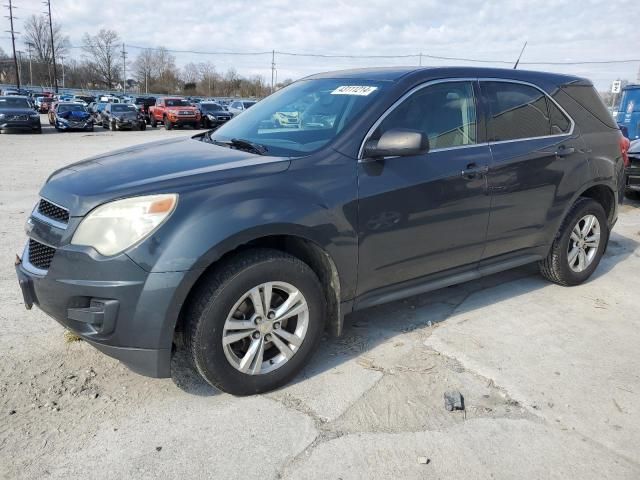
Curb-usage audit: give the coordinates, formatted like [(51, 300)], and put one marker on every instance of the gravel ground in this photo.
[(549, 376)]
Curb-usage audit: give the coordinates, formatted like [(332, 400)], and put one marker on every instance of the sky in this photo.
[(556, 31)]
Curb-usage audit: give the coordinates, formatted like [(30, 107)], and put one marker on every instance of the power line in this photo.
[(418, 56)]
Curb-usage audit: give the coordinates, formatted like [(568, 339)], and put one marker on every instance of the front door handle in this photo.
[(564, 151), (474, 170)]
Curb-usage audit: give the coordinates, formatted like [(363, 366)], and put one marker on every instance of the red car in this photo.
[(45, 104), (174, 112)]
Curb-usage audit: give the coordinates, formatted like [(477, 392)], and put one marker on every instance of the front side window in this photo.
[(518, 111), (445, 112)]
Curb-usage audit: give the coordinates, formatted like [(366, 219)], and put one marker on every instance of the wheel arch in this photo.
[(307, 250)]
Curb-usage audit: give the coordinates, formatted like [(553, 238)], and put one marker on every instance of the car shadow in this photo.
[(366, 329)]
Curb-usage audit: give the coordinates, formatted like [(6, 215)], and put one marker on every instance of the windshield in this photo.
[(248, 104), (323, 108), (71, 108), (13, 102), (176, 102), (123, 107), (210, 107)]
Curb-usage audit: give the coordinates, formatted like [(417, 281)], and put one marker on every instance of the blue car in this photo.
[(629, 112)]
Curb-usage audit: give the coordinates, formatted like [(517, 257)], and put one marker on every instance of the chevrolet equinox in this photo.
[(243, 244)]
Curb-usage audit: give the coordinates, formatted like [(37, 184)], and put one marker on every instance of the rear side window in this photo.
[(559, 122), (445, 112), (516, 111), (589, 99)]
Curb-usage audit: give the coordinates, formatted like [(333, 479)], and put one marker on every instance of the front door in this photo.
[(427, 213)]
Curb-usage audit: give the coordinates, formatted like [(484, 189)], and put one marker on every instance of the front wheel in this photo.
[(253, 324), (154, 124), (167, 124), (578, 246)]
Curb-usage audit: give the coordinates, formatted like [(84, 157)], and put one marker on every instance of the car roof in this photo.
[(394, 74)]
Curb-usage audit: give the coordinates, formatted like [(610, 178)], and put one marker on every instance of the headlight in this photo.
[(114, 227), (62, 120)]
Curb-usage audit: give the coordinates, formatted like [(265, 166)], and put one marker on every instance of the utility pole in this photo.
[(30, 46), (273, 69), (13, 42), (62, 63), (53, 46), (124, 69)]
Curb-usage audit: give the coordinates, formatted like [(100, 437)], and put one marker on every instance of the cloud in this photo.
[(557, 30)]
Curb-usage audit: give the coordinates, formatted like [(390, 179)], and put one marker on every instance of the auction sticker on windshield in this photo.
[(354, 90)]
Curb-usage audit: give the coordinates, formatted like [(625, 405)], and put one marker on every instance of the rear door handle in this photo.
[(564, 151), (473, 170)]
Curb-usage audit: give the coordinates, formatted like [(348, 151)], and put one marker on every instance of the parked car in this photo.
[(174, 112), (239, 106), (632, 170), (87, 99), (71, 116), (11, 92), (143, 104), (122, 116), (629, 111), (17, 114), (45, 104), (240, 246), (213, 114), (287, 119)]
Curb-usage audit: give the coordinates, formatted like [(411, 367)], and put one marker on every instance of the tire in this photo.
[(167, 124), (556, 267), (142, 126), (39, 130), (154, 124), (196, 126), (112, 126), (216, 299)]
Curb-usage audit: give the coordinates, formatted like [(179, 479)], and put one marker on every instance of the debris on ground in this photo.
[(70, 337), (453, 400), (423, 461)]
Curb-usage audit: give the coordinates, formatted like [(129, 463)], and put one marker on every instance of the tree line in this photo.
[(99, 65)]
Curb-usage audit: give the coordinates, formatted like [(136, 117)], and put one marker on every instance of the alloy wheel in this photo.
[(583, 243), (265, 328)]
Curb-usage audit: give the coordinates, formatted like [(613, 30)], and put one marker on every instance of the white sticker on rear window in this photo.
[(354, 90)]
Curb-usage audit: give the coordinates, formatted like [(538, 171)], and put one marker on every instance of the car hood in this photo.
[(125, 115), (159, 167)]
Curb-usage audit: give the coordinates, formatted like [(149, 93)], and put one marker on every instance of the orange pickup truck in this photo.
[(174, 112)]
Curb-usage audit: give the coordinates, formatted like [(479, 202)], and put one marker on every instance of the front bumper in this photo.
[(183, 120), (30, 125), (632, 175), (75, 125), (112, 303)]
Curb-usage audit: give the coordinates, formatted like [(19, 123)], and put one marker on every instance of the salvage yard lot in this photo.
[(550, 377)]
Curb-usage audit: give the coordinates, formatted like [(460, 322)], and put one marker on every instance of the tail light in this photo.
[(624, 150)]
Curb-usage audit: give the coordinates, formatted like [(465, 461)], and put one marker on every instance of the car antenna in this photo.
[(520, 56)]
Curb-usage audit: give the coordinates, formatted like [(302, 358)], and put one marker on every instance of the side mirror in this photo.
[(398, 142)]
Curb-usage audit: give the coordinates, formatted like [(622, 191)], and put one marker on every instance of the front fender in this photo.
[(313, 202)]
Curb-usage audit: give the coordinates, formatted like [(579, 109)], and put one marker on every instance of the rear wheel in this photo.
[(579, 245), (154, 124), (255, 322)]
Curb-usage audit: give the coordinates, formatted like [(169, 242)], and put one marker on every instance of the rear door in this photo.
[(534, 148), (426, 213)]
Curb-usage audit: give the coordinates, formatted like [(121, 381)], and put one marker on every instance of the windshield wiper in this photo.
[(248, 145), (236, 143)]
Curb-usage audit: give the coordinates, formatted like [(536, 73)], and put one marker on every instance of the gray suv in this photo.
[(242, 245)]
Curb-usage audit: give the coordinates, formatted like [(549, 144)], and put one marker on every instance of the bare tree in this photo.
[(209, 77), (102, 52), (37, 38)]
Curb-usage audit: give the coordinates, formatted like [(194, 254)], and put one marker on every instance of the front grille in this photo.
[(19, 118), (40, 255), (52, 211)]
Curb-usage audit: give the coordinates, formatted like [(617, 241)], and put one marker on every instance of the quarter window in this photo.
[(519, 111), (445, 112)]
